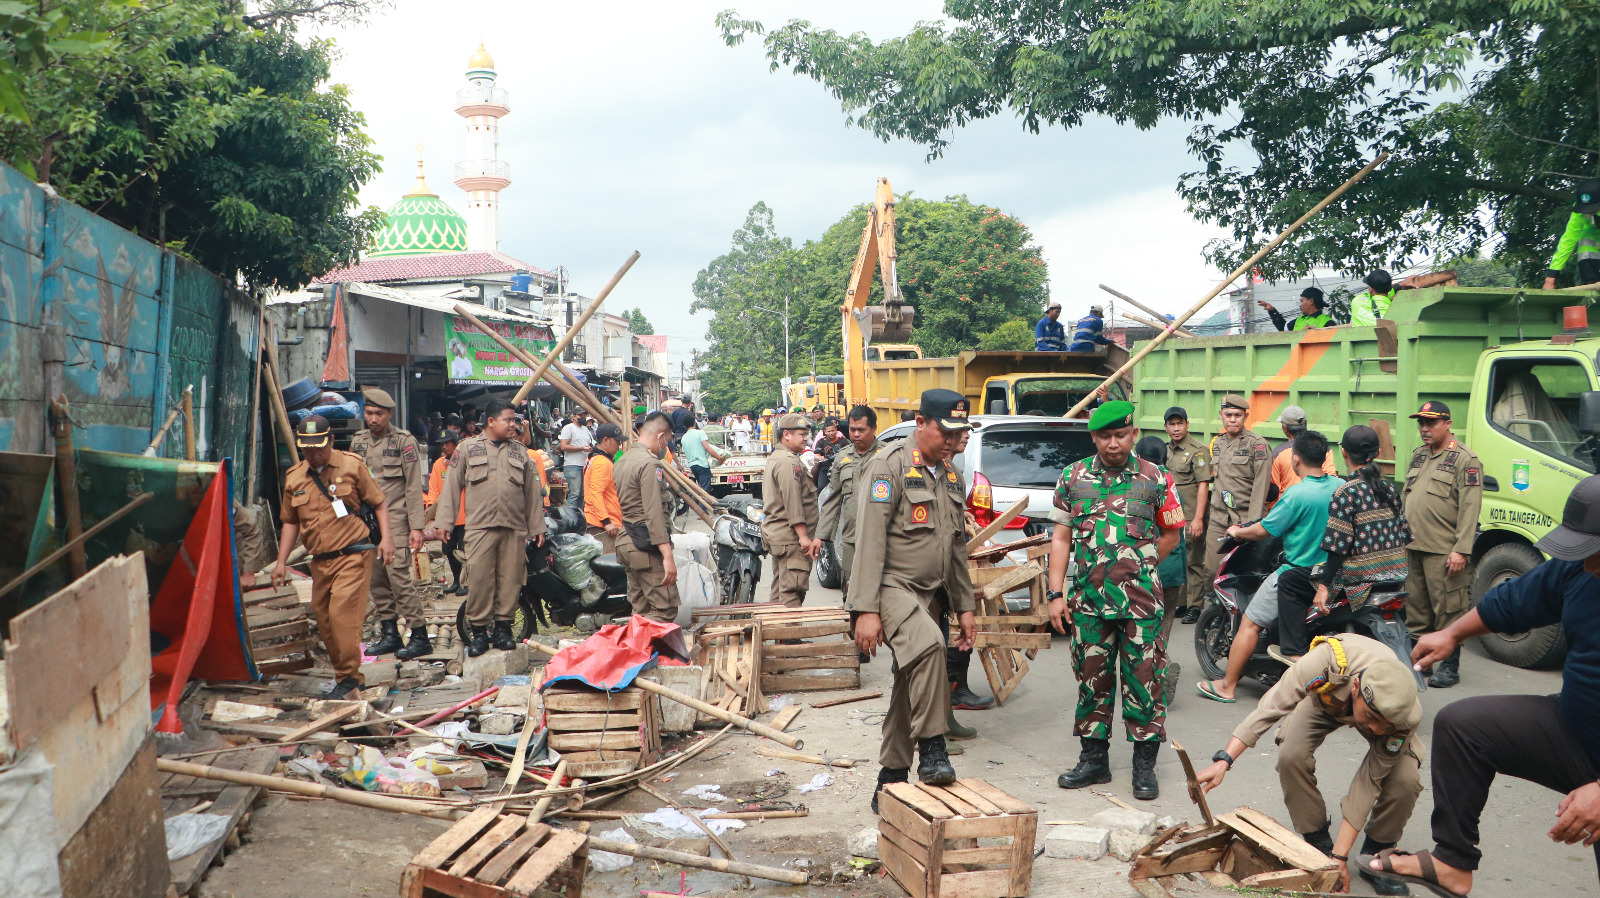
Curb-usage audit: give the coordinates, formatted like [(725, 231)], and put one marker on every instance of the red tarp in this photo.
[(337, 369), (197, 611), (616, 653)]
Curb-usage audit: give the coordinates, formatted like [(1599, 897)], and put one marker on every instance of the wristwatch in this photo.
[(1054, 594), (1224, 757)]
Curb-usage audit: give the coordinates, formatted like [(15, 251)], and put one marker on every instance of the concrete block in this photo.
[(1086, 842), (492, 665), (515, 697), (1166, 823), (500, 724), (1140, 822), (410, 668), (476, 776), (380, 673), (322, 707), (865, 843), (1124, 844), (676, 718)]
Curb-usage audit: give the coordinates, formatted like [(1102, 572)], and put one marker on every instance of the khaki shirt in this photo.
[(501, 487), (910, 532), (321, 530), (642, 494), (1319, 678), (1242, 470), (1444, 493), (395, 460), (788, 499), (837, 517), (1189, 463)]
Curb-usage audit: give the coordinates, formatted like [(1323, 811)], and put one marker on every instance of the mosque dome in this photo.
[(420, 224), (481, 60)]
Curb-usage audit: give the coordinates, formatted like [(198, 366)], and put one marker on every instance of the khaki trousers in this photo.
[(919, 700), (339, 605), (1299, 737), (1216, 529), (1433, 600), (497, 567), (607, 542), (1197, 576), (791, 575), (647, 595), (394, 591)]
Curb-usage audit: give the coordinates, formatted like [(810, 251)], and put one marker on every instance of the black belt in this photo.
[(347, 550)]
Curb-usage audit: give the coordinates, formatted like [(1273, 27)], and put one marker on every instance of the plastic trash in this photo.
[(697, 588), (819, 782), (371, 771), (188, 833), (570, 556), (605, 861), (307, 767), (670, 823), (706, 792), (779, 702)]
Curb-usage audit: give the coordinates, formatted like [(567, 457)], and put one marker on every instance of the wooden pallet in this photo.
[(1245, 849), (183, 793), (600, 733), (729, 655), (490, 855), (828, 659), (1007, 640), (280, 630), (928, 840)]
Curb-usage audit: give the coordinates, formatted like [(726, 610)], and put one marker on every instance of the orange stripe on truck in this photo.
[(1304, 355)]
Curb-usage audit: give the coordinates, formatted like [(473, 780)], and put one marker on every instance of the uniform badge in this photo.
[(919, 514), (916, 456), (1261, 452), (1172, 518), (913, 472), (658, 474), (1317, 683), (409, 453), (1472, 476), (1394, 744), (880, 490), (951, 475)]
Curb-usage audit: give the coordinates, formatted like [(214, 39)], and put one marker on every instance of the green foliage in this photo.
[(638, 323), (1489, 109), (1015, 335), (1474, 272), (968, 269), (196, 122)]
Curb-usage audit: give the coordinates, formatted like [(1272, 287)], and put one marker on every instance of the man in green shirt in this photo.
[(698, 452), (1313, 312), (1373, 302), (1581, 240)]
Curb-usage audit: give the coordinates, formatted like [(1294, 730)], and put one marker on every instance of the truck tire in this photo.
[(1543, 647)]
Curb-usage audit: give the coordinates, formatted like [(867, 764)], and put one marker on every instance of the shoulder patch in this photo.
[(1261, 452), (1473, 476), (880, 490), (1393, 744), (659, 475), (916, 456), (409, 453)]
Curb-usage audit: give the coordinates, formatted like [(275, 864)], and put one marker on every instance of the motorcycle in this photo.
[(738, 549), (1244, 567), (604, 597)]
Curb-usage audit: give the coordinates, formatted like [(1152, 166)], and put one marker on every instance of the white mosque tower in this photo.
[(485, 175)]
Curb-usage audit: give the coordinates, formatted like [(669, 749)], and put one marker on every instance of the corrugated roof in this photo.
[(437, 266), (431, 303)]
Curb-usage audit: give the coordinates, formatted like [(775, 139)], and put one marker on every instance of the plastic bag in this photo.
[(828, 574), (697, 588), (695, 547), (373, 772), (570, 556), (188, 833), (605, 861)]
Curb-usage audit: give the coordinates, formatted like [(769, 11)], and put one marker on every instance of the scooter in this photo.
[(1243, 568), (739, 548), (545, 590)]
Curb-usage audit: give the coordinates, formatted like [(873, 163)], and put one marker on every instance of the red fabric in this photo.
[(617, 653), (337, 369)]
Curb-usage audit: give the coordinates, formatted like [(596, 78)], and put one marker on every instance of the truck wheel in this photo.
[(1543, 647)]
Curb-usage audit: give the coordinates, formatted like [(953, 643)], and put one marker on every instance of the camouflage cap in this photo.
[(1116, 413), (1390, 689)]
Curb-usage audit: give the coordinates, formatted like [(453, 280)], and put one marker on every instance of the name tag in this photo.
[(339, 510)]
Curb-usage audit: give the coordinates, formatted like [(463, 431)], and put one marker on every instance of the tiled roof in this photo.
[(433, 266)]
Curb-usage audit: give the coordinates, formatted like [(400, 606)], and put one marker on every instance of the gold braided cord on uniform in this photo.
[(1338, 655)]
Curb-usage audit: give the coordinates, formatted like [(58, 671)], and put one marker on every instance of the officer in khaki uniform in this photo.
[(836, 520), (1344, 681), (322, 498), (645, 547), (505, 509), (1241, 475), (910, 571), (1443, 495), (395, 459), (1189, 463), (789, 503)]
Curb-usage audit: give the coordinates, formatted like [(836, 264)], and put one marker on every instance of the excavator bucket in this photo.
[(886, 324)]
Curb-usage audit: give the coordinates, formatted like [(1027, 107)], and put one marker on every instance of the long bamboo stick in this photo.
[(188, 423), (280, 412), (1235, 275), (76, 543), (543, 804), (572, 332), (699, 862), (1160, 317), (1158, 324), (313, 790), (161, 435)]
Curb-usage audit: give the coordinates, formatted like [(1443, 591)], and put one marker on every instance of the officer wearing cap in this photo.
[(1344, 681), (1115, 520), (645, 547), (395, 459), (789, 502), (1443, 495), (1189, 463), (323, 497), (909, 574), (1243, 477), (1089, 331)]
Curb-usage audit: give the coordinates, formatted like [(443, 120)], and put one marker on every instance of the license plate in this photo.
[(736, 478)]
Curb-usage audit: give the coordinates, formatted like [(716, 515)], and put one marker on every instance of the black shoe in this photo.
[(1192, 616), (1094, 765), (452, 589), (1322, 839), (501, 638), (1447, 673), (388, 638), (964, 699), (343, 689), (1369, 848), (478, 641), (1145, 787), (418, 646), (933, 762), (887, 775)]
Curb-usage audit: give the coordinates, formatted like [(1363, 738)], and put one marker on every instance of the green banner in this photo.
[(474, 358)]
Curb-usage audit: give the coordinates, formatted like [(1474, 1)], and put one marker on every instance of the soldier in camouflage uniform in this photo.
[(1116, 517)]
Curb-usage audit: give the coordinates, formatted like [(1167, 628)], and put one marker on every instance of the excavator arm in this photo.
[(862, 324)]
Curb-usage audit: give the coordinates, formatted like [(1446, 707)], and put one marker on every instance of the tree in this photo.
[(1489, 109), (1015, 335), (638, 323)]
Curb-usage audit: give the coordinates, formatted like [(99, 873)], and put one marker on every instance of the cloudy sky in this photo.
[(632, 126)]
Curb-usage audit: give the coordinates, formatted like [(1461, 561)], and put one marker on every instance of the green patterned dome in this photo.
[(420, 224)]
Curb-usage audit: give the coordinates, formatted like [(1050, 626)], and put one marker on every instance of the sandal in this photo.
[(1207, 690), (1428, 880)]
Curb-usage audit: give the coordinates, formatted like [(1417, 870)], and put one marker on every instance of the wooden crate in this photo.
[(489, 855), (928, 840), (1007, 640), (280, 630), (827, 660), (602, 733), (729, 655), (1245, 849)]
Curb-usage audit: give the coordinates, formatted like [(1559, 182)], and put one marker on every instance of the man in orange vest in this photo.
[(601, 506)]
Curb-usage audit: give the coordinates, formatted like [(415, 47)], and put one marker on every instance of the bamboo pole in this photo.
[(188, 423), (76, 543), (1158, 324), (161, 435), (255, 405), (280, 412), (1235, 275), (543, 804), (67, 480), (730, 815), (572, 332), (699, 862), (312, 790), (1160, 317), (727, 850)]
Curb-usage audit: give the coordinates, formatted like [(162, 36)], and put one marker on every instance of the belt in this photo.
[(347, 550)]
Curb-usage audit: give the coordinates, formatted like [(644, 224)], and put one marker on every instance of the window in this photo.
[(1053, 397), (1031, 457), (1535, 401)]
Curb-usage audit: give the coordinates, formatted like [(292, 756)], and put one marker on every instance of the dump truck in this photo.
[(1517, 368)]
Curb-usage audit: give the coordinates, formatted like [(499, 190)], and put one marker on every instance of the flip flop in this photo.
[(1428, 880), (1277, 655), (1207, 690)]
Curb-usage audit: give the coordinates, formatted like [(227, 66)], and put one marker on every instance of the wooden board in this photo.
[(232, 800)]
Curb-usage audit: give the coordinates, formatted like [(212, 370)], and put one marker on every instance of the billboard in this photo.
[(472, 357)]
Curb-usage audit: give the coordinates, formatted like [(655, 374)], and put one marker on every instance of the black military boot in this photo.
[(478, 641), (1192, 615), (343, 689), (1447, 673), (501, 638), (1369, 848), (1322, 839), (418, 646), (962, 698), (1094, 765), (933, 762), (388, 638), (887, 775), (1145, 787)]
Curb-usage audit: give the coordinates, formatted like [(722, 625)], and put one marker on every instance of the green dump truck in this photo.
[(1521, 386)]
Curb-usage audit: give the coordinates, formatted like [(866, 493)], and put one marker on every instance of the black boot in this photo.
[(388, 638), (343, 689), (1144, 771), (1446, 673), (501, 638), (933, 762), (1370, 847), (478, 641), (1192, 616), (1322, 839), (418, 646), (962, 698), (1094, 765), (887, 775)]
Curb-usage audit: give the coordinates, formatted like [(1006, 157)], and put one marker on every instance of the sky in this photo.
[(633, 127)]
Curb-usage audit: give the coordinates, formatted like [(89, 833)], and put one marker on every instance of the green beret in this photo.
[(1117, 413)]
